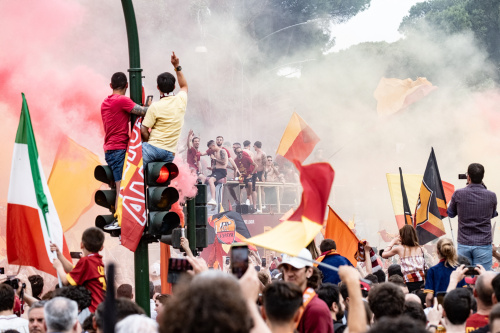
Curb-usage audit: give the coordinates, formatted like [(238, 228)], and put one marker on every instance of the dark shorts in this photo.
[(115, 160), (218, 174), (259, 175)]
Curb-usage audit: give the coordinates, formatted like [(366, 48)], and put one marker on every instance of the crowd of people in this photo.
[(292, 294), (246, 164), (320, 290)]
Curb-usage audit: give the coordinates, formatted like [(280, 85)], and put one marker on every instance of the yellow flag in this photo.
[(412, 186), (288, 237), (71, 181)]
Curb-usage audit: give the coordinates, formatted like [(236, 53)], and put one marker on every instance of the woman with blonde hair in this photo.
[(438, 276), (411, 256)]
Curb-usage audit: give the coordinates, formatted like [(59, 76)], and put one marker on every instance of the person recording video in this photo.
[(475, 207)]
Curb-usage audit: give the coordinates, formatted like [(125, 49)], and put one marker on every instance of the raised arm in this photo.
[(190, 139), (180, 76), (390, 250)]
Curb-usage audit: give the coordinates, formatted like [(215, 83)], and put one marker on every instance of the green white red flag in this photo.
[(32, 220)]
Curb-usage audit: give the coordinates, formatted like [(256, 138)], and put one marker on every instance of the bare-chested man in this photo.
[(246, 148), (219, 168), (260, 160)]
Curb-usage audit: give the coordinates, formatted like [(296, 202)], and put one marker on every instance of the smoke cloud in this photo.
[(63, 53)]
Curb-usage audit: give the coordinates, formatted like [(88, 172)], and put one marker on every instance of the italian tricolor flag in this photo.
[(32, 220)]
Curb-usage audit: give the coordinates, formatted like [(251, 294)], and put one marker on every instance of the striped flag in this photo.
[(431, 204), (32, 220), (406, 205), (298, 140)]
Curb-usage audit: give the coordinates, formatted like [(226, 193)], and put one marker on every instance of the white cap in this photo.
[(297, 261)]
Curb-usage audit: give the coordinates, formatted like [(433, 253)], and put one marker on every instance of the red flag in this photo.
[(131, 210), (298, 140), (316, 180)]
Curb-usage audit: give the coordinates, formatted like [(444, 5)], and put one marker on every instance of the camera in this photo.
[(462, 176), (14, 283)]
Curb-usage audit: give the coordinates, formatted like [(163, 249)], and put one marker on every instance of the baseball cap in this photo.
[(297, 262)]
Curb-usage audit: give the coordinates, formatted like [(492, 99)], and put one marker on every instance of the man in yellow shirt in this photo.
[(165, 118)]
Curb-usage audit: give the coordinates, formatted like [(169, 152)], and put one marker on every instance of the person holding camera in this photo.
[(8, 320), (475, 207)]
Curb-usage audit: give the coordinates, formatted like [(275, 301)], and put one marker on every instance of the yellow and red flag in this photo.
[(339, 231), (412, 183), (394, 95), (306, 222), (298, 140), (73, 169)]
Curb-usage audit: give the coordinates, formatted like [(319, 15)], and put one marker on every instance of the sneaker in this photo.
[(258, 211), (212, 203), (112, 226), (247, 202), (264, 207)]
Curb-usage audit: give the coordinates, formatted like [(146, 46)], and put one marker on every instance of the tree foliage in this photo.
[(482, 18)]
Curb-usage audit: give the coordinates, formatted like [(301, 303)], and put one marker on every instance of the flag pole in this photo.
[(451, 228), (333, 268)]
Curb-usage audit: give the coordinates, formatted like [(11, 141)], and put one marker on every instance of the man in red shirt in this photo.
[(194, 155), (482, 293), (315, 315), (115, 113), (89, 271), (246, 167)]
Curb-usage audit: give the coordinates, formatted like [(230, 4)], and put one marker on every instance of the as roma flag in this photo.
[(431, 204), (406, 205), (298, 140)]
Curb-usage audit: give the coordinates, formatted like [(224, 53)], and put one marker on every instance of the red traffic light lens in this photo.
[(163, 176)]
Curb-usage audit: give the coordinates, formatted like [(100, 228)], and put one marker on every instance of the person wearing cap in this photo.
[(315, 315)]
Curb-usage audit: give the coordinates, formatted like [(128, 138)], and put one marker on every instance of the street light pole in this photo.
[(141, 255)]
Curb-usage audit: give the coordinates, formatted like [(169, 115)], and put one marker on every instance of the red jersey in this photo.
[(245, 165), (89, 272), (316, 317), (115, 113), (193, 157), (476, 321)]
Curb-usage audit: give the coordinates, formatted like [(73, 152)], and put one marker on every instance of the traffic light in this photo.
[(160, 197), (105, 198)]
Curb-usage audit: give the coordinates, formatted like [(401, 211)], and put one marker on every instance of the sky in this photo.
[(379, 23)]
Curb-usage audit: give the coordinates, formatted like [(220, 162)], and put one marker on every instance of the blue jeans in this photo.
[(154, 154), (480, 254), (115, 160)]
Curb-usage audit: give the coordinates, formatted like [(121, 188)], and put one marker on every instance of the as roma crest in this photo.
[(225, 229)]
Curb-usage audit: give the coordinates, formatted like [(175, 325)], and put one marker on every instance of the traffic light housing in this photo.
[(160, 198), (201, 217), (105, 198)]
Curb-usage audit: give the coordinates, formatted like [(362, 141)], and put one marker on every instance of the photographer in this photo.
[(475, 207), (8, 320)]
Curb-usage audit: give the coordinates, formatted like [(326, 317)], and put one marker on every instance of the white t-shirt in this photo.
[(13, 322)]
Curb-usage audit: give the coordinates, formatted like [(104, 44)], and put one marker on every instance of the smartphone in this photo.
[(440, 297), (177, 266), (263, 262), (239, 259), (75, 255), (148, 100), (227, 261), (2, 270), (471, 270), (257, 268)]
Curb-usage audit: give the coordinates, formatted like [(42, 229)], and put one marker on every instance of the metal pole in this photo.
[(141, 256)]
